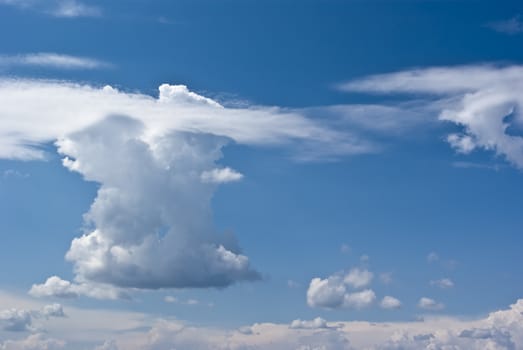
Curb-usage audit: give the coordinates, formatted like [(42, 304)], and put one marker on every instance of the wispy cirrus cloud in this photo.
[(511, 26), (51, 60), (57, 8), (483, 101)]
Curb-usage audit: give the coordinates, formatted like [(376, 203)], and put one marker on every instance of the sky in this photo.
[(226, 174)]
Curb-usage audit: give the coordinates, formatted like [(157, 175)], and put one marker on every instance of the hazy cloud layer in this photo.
[(117, 330), (500, 330)]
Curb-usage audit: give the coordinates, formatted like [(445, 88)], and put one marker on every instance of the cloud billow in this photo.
[(151, 224)]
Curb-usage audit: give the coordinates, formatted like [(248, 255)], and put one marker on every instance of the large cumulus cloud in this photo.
[(155, 161)]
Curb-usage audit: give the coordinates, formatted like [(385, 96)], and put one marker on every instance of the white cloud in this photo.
[(54, 286), (15, 320), (73, 8), (52, 310), (222, 175), (510, 26), (443, 283), (84, 329), (359, 300), (333, 292), (461, 143), (327, 293), (389, 303), (21, 320), (484, 101), (29, 120), (358, 278), (33, 342), (170, 299), (316, 323), (51, 60), (57, 8), (500, 330), (150, 225), (430, 304)]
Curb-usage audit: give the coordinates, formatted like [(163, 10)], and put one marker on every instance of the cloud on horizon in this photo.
[(118, 330)]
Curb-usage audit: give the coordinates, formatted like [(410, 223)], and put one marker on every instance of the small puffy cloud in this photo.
[(51, 60), (316, 323), (358, 278), (52, 310), (359, 300), (56, 287), (334, 291), (327, 293), (461, 143), (390, 303), (222, 175), (430, 304), (443, 283)]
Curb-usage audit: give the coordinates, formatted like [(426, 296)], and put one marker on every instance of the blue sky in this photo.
[(232, 174)]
